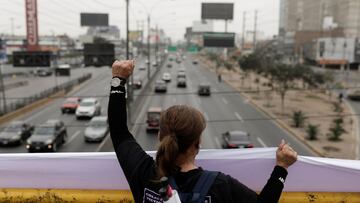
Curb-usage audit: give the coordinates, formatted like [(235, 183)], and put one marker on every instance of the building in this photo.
[(303, 22)]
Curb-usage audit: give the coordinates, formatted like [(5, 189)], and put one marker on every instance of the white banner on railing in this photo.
[(102, 171)]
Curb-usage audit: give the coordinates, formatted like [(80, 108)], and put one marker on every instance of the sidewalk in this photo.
[(315, 104)]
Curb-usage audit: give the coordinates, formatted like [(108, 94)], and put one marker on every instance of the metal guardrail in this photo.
[(67, 86)]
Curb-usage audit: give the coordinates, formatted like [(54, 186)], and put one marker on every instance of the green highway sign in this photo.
[(172, 48)]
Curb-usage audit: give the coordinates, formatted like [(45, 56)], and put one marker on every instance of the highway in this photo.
[(222, 111)]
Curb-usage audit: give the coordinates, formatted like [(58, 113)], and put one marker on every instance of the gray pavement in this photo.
[(223, 111)]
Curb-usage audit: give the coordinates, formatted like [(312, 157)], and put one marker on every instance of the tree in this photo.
[(283, 76), (299, 119), (312, 131), (248, 64)]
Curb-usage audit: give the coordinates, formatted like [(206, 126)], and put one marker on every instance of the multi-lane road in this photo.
[(223, 112)]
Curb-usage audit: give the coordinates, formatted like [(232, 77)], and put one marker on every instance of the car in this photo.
[(169, 65), (137, 82), (142, 68), (97, 129), (154, 64), (204, 89), (181, 82), (15, 133), (88, 108), (195, 62), (181, 74), (147, 61), (47, 136), (70, 105), (354, 95), (160, 86), (236, 139), (43, 72), (153, 119), (166, 77), (178, 60)]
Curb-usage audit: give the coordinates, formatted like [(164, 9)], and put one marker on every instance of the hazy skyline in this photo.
[(63, 16)]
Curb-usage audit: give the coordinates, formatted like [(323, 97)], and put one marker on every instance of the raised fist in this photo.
[(285, 155), (123, 68)]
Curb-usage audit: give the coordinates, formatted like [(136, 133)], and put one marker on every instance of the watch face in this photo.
[(115, 82)]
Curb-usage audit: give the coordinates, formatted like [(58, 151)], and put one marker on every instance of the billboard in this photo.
[(218, 39), (135, 36), (32, 35), (94, 19), (99, 54), (217, 11), (31, 59)]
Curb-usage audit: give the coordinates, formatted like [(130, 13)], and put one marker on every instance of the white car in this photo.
[(166, 77), (97, 129), (89, 108)]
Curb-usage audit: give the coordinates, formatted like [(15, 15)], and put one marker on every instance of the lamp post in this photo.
[(148, 12)]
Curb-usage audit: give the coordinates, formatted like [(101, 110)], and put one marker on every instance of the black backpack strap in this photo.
[(203, 185)]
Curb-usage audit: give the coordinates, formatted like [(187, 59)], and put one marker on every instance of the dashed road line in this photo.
[(206, 116), (261, 142), (224, 100), (107, 136), (237, 115), (72, 137)]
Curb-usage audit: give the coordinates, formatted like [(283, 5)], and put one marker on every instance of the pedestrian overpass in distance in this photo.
[(97, 177)]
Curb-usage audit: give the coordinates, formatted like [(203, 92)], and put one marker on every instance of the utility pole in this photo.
[(157, 44), (12, 26), (2, 88), (255, 24), (148, 46), (130, 89), (243, 31)]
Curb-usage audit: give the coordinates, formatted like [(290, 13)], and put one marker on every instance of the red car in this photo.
[(70, 105)]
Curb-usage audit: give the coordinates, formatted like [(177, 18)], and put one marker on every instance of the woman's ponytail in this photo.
[(166, 155)]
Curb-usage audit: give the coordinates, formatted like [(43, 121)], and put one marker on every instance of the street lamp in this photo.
[(148, 12)]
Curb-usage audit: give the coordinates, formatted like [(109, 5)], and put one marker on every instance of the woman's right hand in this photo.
[(285, 155), (123, 68)]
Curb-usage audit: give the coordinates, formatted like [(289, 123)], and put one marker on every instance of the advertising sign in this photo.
[(94, 19), (217, 11), (218, 39), (32, 34)]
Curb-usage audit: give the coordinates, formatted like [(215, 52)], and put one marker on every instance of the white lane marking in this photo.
[(217, 140), (261, 142), (224, 100), (239, 117), (107, 137), (206, 116), (72, 137)]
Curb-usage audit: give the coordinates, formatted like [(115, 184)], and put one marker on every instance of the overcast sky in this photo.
[(63, 16)]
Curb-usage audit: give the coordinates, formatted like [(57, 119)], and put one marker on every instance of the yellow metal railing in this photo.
[(125, 196)]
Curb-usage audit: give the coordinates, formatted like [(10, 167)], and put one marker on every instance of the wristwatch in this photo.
[(117, 81)]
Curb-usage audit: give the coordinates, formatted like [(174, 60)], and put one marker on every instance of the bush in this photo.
[(312, 131), (337, 129), (299, 119)]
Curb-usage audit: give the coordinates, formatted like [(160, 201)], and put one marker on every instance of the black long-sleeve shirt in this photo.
[(141, 171)]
